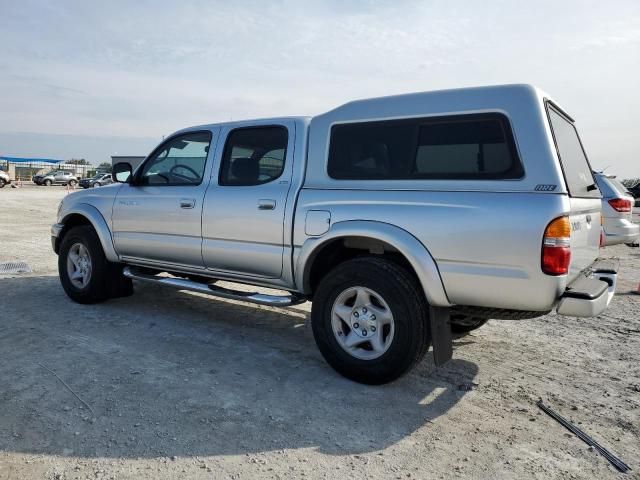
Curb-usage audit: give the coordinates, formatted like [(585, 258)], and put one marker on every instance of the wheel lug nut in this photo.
[(364, 309), (356, 314), (364, 333), (373, 329), (373, 317), (356, 325)]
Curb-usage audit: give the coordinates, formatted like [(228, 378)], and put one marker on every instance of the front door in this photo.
[(61, 177), (157, 217), (244, 207)]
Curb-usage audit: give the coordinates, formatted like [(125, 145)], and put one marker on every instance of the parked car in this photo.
[(635, 193), (395, 216), (56, 177), (4, 178), (617, 206), (97, 180)]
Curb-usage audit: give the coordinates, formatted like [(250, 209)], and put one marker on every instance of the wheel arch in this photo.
[(85, 214), (372, 237)]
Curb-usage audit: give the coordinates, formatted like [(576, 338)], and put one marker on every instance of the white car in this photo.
[(617, 206), (4, 178)]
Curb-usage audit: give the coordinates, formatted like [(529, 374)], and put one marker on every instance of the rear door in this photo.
[(585, 197), (244, 207)]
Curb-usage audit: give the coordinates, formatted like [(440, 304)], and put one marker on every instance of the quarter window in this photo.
[(461, 147), (253, 156), (180, 161)]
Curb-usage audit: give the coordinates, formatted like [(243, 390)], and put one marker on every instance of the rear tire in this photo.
[(85, 274), (2, 183), (385, 348), (465, 324), (73, 183)]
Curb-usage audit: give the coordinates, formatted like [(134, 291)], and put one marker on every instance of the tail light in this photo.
[(556, 250), (620, 204)]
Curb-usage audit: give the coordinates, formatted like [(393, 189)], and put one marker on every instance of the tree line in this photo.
[(630, 182)]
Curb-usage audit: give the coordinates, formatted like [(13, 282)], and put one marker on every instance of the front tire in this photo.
[(370, 320), (47, 183), (85, 274), (96, 184), (2, 183)]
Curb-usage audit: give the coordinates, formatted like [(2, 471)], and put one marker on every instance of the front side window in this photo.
[(253, 156), (460, 147), (180, 161), (575, 165)]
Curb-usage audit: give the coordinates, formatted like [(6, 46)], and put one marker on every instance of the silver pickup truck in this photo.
[(401, 218)]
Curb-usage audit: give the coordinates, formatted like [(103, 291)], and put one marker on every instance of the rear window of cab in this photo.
[(477, 146)]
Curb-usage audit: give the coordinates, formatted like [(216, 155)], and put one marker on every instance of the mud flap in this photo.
[(119, 286), (441, 335)]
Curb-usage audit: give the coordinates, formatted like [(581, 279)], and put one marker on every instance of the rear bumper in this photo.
[(620, 230), (590, 294)]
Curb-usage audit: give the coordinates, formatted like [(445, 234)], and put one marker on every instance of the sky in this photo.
[(88, 80)]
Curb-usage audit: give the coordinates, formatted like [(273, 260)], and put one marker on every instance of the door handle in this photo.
[(266, 204), (187, 202)]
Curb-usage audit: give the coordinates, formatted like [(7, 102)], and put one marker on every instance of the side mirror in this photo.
[(121, 172)]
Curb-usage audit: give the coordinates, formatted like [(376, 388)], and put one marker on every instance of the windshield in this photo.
[(575, 165)]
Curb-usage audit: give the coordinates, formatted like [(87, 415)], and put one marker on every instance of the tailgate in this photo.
[(585, 233)]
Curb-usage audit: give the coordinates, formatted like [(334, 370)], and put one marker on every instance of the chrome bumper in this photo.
[(590, 294), (622, 231)]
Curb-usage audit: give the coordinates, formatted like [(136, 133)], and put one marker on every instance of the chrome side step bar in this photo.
[(184, 284)]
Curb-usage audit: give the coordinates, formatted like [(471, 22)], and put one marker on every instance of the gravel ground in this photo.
[(172, 384)]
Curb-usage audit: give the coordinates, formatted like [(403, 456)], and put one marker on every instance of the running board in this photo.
[(184, 284)]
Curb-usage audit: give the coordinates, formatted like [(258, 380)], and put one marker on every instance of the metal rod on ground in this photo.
[(68, 388), (615, 461)]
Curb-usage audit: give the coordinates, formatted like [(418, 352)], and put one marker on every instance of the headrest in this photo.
[(245, 170), (380, 154)]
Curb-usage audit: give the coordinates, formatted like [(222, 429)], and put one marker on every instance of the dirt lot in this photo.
[(183, 386)]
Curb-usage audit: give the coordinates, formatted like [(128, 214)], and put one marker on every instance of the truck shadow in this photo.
[(169, 373)]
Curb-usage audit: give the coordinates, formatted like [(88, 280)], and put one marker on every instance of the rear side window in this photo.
[(460, 147), (253, 156), (576, 168)]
